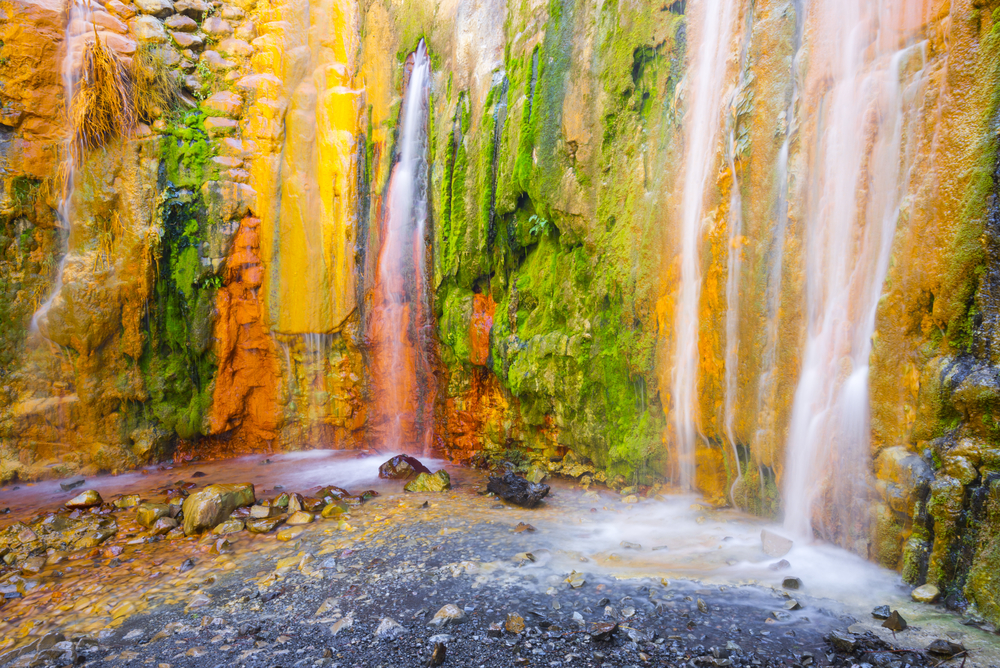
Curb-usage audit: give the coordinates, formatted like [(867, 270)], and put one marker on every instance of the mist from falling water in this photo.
[(398, 328), (706, 82), (862, 148), (76, 37)]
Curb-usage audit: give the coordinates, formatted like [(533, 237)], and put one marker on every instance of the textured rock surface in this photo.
[(208, 507)]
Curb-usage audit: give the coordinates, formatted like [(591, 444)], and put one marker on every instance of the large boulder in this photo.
[(402, 467), (515, 489), (210, 506)]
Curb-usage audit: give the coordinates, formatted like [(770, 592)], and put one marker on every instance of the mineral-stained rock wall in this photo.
[(203, 288)]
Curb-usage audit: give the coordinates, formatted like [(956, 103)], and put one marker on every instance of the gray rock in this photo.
[(773, 544)]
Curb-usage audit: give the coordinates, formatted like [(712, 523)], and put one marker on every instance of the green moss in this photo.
[(186, 151)]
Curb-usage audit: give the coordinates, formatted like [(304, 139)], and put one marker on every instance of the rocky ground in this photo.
[(455, 578)]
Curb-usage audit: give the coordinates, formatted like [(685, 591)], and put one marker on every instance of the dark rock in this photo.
[(791, 583), (517, 490), (602, 631), (437, 656), (521, 526), (945, 648), (186, 566), (198, 474), (67, 486), (402, 467), (495, 630), (881, 612), (895, 622), (844, 642)]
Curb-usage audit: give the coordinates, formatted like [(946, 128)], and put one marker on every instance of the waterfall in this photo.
[(706, 82), (859, 160), (77, 18), (400, 326)]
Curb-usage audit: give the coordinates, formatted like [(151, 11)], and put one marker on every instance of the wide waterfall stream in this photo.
[(499, 334)]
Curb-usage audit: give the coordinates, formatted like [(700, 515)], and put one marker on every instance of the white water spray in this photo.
[(861, 165), (706, 82)]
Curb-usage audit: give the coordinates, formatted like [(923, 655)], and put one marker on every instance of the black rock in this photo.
[(517, 490), (402, 467), (66, 486), (945, 648), (186, 566), (792, 583), (602, 631), (881, 612), (843, 641)]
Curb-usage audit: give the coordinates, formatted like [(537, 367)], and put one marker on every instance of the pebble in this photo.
[(927, 593), (449, 614), (514, 623), (389, 628)]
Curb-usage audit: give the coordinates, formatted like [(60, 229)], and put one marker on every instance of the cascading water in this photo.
[(399, 324), (860, 163), (77, 33), (706, 81)]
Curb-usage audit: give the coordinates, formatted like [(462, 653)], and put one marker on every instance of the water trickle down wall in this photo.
[(399, 318)]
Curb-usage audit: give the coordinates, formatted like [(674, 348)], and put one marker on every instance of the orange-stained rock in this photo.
[(244, 403), (480, 326)]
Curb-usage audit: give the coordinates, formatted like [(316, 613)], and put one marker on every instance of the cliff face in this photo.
[(201, 281)]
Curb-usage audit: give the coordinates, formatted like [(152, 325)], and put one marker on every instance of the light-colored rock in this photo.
[(246, 31), (429, 482), (208, 507), (232, 525), (127, 501), (86, 499), (148, 29), (773, 544), (258, 85), (449, 614), (389, 628), (147, 513), (217, 27), (181, 23), (216, 62), (163, 526), (223, 103), (217, 127), (159, 8), (290, 533), (103, 19), (927, 593), (186, 40), (120, 9), (120, 44), (231, 13), (226, 200), (300, 517), (194, 9), (234, 47), (260, 512)]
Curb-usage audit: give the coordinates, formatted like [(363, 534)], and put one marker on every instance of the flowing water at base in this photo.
[(713, 553)]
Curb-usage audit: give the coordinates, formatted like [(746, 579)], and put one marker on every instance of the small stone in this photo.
[(844, 642), (300, 517), (148, 29), (782, 565), (449, 614), (521, 526), (263, 512), (206, 508), (163, 526), (181, 23), (120, 9), (33, 565), (290, 533), (792, 604), (67, 486), (895, 622), (231, 525), (216, 127), (517, 490), (514, 623), (194, 9), (791, 583), (429, 482), (335, 509), (402, 467), (342, 624), (495, 630), (217, 27), (927, 593), (216, 62), (235, 47), (702, 606), (389, 628), (575, 580), (945, 648), (773, 544), (437, 655), (631, 546), (127, 501), (881, 612), (185, 40), (222, 546), (602, 631), (87, 499), (263, 524), (158, 8), (631, 498)]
